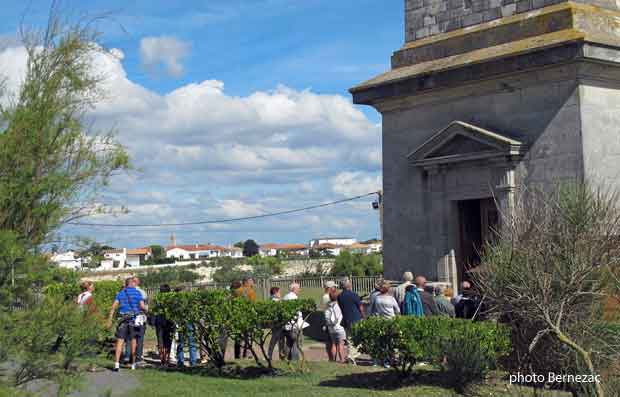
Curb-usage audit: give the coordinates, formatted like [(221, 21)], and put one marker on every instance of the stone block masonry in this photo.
[(425, 18)]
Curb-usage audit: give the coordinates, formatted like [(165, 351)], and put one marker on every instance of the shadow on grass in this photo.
[(228, 371), (387, 380)]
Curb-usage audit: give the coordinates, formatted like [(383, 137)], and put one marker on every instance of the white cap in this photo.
[(329, 284)]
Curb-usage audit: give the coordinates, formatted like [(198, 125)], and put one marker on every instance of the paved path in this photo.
[(108, 384)]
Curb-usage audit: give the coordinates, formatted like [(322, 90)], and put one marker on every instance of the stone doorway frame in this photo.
[(465, 162)]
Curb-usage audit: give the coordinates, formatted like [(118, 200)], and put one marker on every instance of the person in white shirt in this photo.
[(337, 334), (293, 330), (399, 292), (325, 299), (384, 305), (293, 292)]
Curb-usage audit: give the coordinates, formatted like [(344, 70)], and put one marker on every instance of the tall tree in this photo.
[(250, 248), (51, 165), (158, 252)]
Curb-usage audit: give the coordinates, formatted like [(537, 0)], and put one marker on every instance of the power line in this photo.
[(229, 220)]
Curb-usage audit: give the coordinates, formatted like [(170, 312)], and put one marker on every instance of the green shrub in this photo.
[(216, 315), (470, 350), (457, 345), (347, 264), (103, 295), (44, 341), (168, 276)]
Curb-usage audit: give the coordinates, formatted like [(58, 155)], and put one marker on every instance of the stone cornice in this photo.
[(562, 25)]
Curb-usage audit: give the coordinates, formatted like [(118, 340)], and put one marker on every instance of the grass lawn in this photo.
[(311, 293), (319, 379)]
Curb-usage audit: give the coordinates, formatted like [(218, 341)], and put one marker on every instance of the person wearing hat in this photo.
[(329, 286)]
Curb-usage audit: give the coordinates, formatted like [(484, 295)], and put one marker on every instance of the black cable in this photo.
[(224, 220)]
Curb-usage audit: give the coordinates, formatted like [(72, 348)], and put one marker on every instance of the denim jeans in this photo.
[(193, 351)]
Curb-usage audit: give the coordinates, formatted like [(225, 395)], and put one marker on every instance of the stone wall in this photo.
[(540, 108), (424, 18)]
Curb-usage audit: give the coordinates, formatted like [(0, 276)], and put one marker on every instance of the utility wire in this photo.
[(229, 220)]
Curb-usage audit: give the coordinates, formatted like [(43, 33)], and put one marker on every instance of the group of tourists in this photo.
[(413, 297), (341, 306), (418, 298)]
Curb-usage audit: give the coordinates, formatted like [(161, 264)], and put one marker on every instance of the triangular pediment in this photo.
[(461, 141)]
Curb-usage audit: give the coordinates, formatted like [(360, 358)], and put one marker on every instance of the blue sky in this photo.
[(234, 108)]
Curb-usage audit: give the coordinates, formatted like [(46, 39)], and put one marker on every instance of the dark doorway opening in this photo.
[(478, 221)]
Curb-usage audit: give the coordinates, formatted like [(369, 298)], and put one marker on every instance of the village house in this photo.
[(136, 257), (232, 252), (67, 260), (114, 259), (340, 241), (272, 249), (329, 248), (364, 249), (196, 251)]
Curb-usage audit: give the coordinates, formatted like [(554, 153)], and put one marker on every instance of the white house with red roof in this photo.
[(272, 249), (196, 251), (136, 256)]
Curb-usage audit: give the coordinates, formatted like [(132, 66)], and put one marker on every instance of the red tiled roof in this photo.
[(139, 251), (197, 247), (283, 247), (327, 245)]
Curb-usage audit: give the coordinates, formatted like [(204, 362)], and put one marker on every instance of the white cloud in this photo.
[(205, 154), (166, 51), (355, 183), (238, 208)]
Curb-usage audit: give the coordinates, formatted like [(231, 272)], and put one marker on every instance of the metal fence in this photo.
[(363, 285)]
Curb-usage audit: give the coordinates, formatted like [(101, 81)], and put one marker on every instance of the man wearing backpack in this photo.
[(412, 303), (428, 302), (130, 303)]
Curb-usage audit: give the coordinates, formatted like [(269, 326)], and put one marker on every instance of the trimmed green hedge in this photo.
[(215, 315), (465, 350), (103, 295)]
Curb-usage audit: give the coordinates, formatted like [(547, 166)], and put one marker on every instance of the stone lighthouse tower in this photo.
[(483, 97)]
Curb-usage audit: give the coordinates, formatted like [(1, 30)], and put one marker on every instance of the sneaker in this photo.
[(133, 367), (115, 369)]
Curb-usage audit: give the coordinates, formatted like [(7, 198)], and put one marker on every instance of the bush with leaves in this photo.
[(44, 342), (215, 316), (103, 295), (171, 276), (470, 350), (265, 266), (407, 340), (347, 264)]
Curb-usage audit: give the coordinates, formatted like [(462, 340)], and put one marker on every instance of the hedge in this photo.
[(215, 316), (103, 295), (465, 350)]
